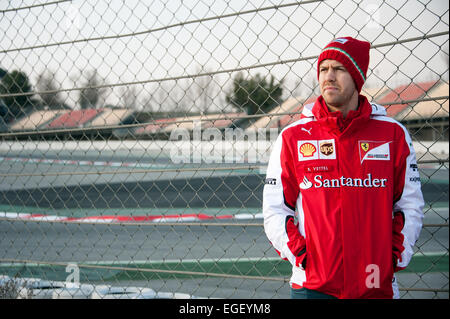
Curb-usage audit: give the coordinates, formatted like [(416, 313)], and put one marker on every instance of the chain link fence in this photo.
[(135, 136)]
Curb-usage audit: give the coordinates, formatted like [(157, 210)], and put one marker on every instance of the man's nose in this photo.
[(330, 75)]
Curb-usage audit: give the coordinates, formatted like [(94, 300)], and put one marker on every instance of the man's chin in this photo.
[(333, 101)]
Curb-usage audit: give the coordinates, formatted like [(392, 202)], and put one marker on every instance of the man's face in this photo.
[(336, 84)]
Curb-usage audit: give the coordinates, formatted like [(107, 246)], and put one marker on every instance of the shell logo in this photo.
[(307, 149)]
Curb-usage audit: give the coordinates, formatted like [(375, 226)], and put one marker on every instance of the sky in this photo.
[(152, 41)]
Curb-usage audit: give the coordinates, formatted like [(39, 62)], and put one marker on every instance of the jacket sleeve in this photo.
[(408, 204), (279, 199)]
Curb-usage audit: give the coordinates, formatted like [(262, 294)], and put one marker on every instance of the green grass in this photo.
[(264, 267)]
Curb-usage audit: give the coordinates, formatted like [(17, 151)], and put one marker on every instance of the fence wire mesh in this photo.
[(135, 136)]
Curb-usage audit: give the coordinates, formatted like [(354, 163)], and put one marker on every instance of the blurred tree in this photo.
[(254, 95), (205, 90), (129, 97), (91, 94), (46, 82), (15, 82)]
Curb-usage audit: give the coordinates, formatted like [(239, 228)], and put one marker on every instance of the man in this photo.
[(348, 174)]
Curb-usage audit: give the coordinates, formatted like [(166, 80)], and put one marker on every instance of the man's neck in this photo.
[(345, 109)]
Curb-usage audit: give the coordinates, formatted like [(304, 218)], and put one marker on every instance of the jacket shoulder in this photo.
[(387, 119), (294, 126), (306, 117), (403, 131)]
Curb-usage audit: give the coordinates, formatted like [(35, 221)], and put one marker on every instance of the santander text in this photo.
[(349, 182)]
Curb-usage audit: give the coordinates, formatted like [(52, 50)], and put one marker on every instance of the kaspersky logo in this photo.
[(320, 182)]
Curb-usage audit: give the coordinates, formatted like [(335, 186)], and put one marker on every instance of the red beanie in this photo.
[(352, 53)]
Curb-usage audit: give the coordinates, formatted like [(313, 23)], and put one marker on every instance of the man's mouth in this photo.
[(330, 88)]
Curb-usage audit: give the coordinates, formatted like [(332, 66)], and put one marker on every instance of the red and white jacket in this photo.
[(342, 200)]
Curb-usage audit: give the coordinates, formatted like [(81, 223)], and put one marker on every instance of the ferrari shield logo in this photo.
[(365, 146)]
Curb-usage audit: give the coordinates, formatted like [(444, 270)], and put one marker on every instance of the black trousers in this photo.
[(305, 293)]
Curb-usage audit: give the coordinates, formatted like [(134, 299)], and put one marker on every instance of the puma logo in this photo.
[(309, 131)]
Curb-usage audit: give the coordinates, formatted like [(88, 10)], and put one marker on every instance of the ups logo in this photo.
[(326, 148)]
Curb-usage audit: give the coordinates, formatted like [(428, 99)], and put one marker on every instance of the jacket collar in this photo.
[(334, 120)]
